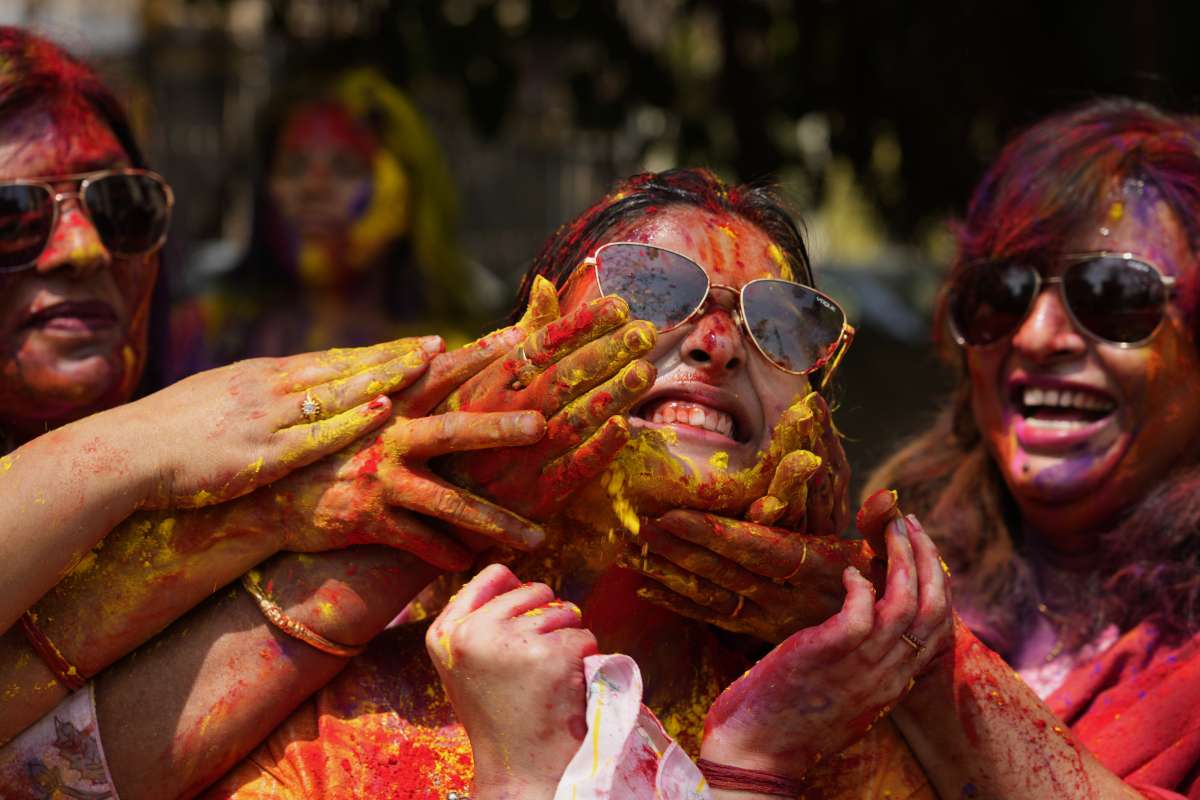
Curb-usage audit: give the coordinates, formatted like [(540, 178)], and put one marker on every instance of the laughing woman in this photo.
[(1061, 482)]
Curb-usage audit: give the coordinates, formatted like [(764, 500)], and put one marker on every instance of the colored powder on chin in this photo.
[(719, 460), (614, 483)]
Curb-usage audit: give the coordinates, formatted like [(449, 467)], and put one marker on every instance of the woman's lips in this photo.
[(696, 411), (1054, 437), (73, 318)]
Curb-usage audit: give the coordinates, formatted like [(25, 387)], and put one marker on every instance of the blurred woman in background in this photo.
[(354, 231)]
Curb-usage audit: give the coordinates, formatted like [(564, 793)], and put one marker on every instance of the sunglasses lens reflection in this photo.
[(1117, 299), (796, 327), (130, 212), (990, 301), (26, 217), (660, 286)]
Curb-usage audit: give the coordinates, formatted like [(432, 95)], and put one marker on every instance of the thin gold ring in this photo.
[(916, 644), (800, 566), (741, 603)]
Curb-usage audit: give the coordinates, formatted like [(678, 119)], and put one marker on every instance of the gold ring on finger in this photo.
[(310, 407), (741, 603), (916, 644), (522, 370)]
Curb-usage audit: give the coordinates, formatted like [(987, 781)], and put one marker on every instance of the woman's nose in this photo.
[(1048, 333), (714, 344), (74, 245)]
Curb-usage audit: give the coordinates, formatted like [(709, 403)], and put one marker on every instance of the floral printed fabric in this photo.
[(59, 756)]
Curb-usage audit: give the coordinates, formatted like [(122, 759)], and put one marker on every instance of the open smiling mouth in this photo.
[(1062, 409), (695, 417)]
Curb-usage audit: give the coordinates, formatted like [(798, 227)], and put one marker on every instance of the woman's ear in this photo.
[(543, 305)]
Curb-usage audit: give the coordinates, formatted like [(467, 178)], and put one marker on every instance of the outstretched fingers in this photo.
[(590, 365), (448, 371), (584, 415), (760, 549), (428, 494), (457, 431), (697, 589), (309, 369), (582, 465)]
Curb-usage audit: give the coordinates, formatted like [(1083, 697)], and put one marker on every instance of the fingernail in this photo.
[(531, 423), (614, 308), (432, 344), (637, 376), (639, 337), (914, 523), (854, 573), (378, 403)]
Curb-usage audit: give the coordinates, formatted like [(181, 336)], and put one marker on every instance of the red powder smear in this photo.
[(563, 331), (327, 122), (599, 403), (371, 463)]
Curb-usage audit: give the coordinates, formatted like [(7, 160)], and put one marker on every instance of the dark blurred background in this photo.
[(875, 118)]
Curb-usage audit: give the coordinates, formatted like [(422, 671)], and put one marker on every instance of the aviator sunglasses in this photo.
[(130, 209), (1115, 298), (795, 328)]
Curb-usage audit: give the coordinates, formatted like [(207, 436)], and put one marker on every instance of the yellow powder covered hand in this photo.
[(742, 576), (808, 490), (222, 433), (381, 490), (582, 372)]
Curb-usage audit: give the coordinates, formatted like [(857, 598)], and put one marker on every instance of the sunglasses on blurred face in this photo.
[(1118, 299), (130, 209), (797, 329)]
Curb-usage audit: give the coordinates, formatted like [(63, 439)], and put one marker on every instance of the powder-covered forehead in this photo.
[(55, 138), (732, 249)]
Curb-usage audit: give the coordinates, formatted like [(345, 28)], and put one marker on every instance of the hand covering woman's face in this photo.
[(1143, 416), (711, 377), (73, 327)]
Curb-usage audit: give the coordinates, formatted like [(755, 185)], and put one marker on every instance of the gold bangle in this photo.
[(293, 628)]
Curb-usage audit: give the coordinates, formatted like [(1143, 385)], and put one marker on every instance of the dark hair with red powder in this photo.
[(1047, 184), (36, 73), (644, 195)]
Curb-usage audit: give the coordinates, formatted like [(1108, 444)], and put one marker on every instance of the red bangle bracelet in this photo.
[(64, 671), (723, 776)]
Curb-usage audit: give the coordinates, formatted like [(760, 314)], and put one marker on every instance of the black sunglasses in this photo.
[(1115, 298), (795, 328), (130, 209)]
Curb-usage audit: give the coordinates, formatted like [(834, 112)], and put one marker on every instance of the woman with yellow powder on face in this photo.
[(353, 236), (717, 412)]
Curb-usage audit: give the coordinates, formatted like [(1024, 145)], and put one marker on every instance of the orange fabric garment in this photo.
[(384, 729), (1136, 706)]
